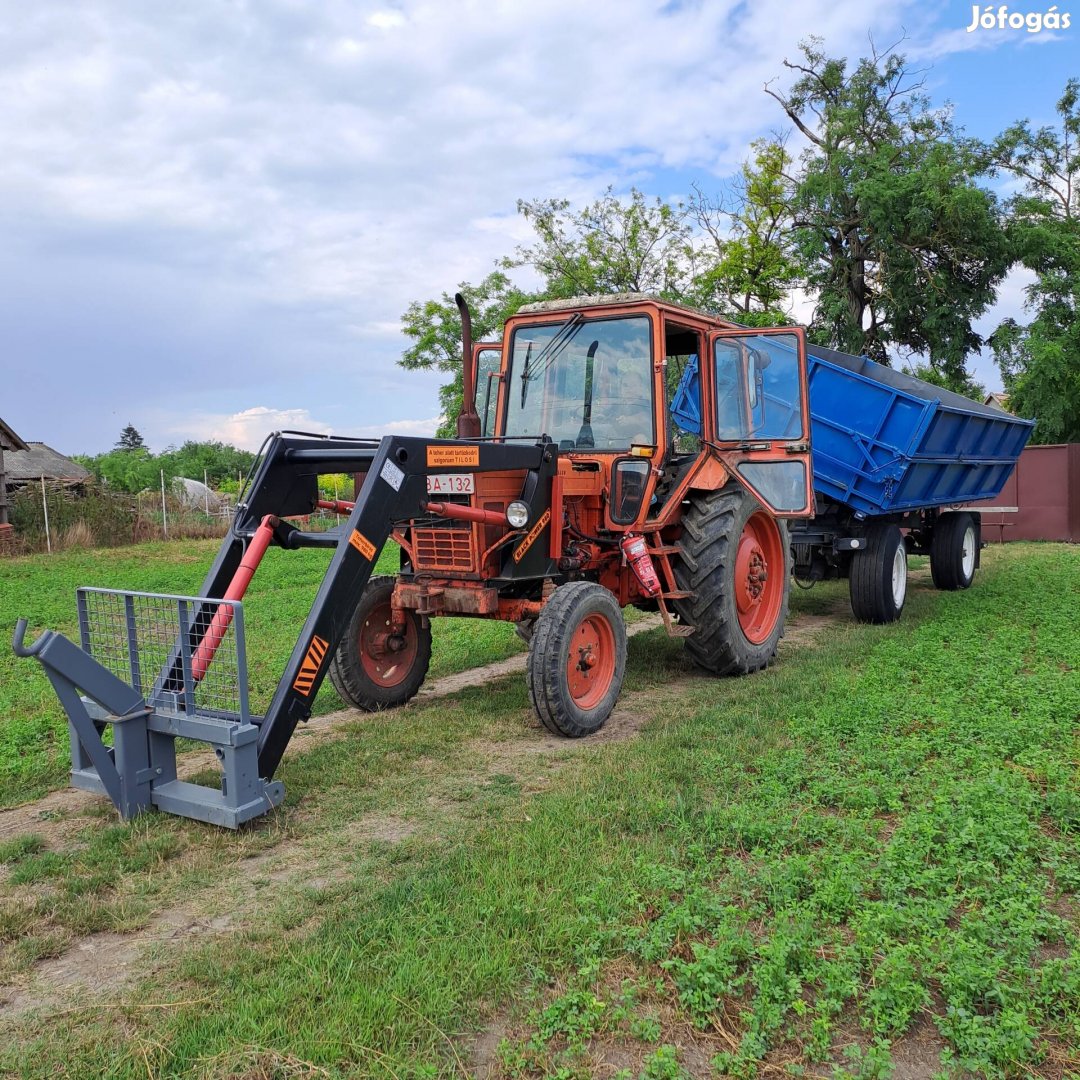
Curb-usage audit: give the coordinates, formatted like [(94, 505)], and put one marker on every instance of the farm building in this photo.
[(10, 443), (23, 463), (37, 460)]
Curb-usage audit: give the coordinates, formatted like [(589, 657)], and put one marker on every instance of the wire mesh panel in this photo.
[(184, 653)]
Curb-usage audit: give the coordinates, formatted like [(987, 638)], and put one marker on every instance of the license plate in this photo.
[(450, 484)]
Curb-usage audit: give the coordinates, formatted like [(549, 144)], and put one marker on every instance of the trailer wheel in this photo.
[(954, 549), (577, 659), (735, 561), (373, 668), (878, 578)]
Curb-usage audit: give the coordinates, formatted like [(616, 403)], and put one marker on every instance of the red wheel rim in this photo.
[(590, 663), (386, 657), (759, 578)]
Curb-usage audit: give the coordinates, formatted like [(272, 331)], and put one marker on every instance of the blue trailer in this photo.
[(893, 458)]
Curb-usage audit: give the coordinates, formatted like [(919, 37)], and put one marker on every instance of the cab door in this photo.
[(759, 416), (487, 361)]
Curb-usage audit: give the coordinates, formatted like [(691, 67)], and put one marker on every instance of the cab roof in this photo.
[(574, 303)]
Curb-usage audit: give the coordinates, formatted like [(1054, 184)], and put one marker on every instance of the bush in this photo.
[(90, 516)]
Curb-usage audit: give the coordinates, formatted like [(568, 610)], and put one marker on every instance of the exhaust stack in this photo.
[(468, 422)]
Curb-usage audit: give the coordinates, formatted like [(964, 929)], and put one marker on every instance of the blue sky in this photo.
[(215, 213)]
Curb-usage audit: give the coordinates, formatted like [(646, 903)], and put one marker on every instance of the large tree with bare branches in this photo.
[(902, 248)]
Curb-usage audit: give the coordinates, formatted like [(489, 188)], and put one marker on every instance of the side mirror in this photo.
[(629, 478)]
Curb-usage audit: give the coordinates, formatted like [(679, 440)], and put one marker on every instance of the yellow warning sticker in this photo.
[(310, 668), (441, 457), (363, 545), (534, 532)]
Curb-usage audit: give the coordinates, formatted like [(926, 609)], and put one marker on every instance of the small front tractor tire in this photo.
[(374, 669), (735, 561), (878, 576), (954, 550), (577, 659)]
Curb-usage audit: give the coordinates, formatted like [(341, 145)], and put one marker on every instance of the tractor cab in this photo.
[(616, 383)]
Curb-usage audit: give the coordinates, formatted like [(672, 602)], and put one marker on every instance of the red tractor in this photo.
[(628, 510), (569, 493)]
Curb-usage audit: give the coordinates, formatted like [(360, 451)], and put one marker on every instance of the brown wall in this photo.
[(1045, 488)]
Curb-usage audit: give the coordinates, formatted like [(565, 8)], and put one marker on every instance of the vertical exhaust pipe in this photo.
[(468, 422)]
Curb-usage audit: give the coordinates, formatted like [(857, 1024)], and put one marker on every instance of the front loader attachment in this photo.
[(151, 668), (133, 676)]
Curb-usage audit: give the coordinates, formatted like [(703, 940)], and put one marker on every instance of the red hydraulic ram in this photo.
[(215, 633), (337, 506)]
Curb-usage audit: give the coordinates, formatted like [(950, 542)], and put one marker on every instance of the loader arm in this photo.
[(394, 491)]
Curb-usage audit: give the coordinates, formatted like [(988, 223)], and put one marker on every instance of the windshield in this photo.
[(586, 384)]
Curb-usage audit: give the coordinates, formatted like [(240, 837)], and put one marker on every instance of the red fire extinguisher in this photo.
[(637, 555)]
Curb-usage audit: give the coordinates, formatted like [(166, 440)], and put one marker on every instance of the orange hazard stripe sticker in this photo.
[(363, 545), (534, 532), (440, 457), (310, 668)]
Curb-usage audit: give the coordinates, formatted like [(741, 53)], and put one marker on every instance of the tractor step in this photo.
[(678, 594), (665, 549)]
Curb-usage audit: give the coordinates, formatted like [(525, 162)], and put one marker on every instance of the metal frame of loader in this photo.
[(162, 703)]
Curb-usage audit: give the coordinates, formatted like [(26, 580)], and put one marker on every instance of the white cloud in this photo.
[(292, 175), (246, 428), (418, 428)]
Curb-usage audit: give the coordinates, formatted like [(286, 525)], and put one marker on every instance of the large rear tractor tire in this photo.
[(577, 659), (954, 549), (735, 561), (374, 668), (878, 577)]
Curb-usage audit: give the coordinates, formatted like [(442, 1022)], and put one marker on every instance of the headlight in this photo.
[(517, 513)]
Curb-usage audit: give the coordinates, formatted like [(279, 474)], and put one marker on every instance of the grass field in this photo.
[(862, 862), (33, 733)]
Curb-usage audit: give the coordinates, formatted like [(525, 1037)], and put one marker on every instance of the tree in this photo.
[(745, 265), (132, 470), (130, 439), (611, 246), (1040, 362), (900, 245), (435, 328), (217, 461)]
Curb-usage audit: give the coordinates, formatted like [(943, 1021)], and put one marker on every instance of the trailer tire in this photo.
[(735, 561), (577, 659), (954, 550), (372, 670), (878, 577)]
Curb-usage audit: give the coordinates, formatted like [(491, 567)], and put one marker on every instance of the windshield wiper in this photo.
[(548, 354), (525, 374)]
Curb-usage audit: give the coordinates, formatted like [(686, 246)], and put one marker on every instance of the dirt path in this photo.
[(107, 963), (55, 816)]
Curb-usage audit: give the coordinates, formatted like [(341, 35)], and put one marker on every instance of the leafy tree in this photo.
[(435, 328), (136, 469), (745, 265), (900, 245), (130, 439), (1040, 362), (968, 387), (729, 256), (131, 470), (216, 460), (611, 246)]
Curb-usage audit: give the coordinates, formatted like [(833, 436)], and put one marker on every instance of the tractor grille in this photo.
[(447, 549)]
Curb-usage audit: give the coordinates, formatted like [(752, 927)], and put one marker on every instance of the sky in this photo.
[(215, 213)]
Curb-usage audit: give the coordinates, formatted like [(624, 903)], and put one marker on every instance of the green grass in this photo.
[(41, 588), (876, 837)]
